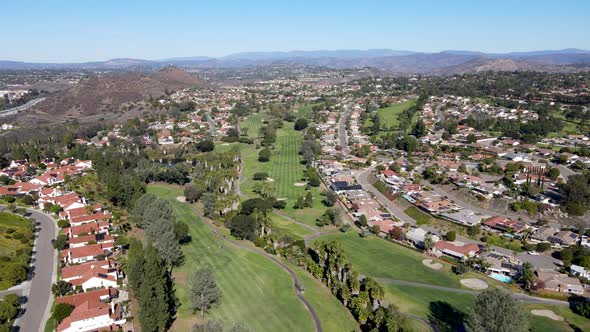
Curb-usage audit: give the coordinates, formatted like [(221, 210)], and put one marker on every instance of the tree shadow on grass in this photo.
[(445, 316)]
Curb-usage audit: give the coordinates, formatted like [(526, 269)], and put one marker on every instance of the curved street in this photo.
[(36, 291)]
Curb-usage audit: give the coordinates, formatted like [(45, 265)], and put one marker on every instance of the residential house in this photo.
[(458, 250), (92, 312), (417, 236), (563, 238), (558, 282)]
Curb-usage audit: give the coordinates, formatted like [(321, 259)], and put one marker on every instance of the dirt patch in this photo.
[(548, 314), (299, 184), (181, 199), (473, 283), (432, 265)]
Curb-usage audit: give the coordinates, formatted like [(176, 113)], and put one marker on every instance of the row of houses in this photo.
[(87, 261)]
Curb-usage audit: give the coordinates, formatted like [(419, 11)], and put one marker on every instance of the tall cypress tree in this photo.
[(135, 263), (155, 295)]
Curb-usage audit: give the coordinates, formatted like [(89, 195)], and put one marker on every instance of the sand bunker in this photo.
[(270, 180), (181, 199), (474, 284), (299, 184), (432, 265), (547, 313)]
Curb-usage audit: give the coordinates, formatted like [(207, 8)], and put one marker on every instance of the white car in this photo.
[(534, 253)]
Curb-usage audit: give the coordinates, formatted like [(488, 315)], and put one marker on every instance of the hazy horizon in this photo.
[(64, 32)]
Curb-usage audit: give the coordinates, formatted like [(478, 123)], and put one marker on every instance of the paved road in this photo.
[(24, 107), (518, 296), (363, 180), (212, 127), (342, 135), (37, 290)]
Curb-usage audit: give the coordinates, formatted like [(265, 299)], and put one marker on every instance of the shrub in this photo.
[(61, 311), (451, 236), (543, 246), (63, 223), (260, 176), (300, 124), (264, 155), (460, 269)]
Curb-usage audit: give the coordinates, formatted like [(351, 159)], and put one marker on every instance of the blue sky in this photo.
[(86, 30)]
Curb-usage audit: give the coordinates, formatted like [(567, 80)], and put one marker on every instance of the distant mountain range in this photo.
[(398, 61)]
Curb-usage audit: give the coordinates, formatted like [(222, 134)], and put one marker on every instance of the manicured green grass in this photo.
[(256, 292), (418, 301), (569, 127), (545, 324), (389, 115), (252, 124), (382, 259), (285, 170), (420, 217), (332, 313), (378, 258), (16, 242), (282, 226)]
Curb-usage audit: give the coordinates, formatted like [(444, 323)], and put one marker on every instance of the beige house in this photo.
[(561, 283)]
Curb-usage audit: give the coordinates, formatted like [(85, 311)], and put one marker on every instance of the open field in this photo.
[(253, 286), (389, 115), (252, 124), (285, 169), (16, 242)]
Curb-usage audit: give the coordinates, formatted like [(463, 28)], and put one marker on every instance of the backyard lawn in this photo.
[(16, 242), (257, 293), (420, 217)]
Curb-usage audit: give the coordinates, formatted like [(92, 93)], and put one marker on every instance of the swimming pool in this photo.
[(501, 277)]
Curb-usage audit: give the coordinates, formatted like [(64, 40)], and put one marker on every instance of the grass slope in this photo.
[(256, 291), (16, 242)]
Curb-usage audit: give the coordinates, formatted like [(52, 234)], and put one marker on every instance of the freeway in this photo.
[(36, 291), (15, 110)]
